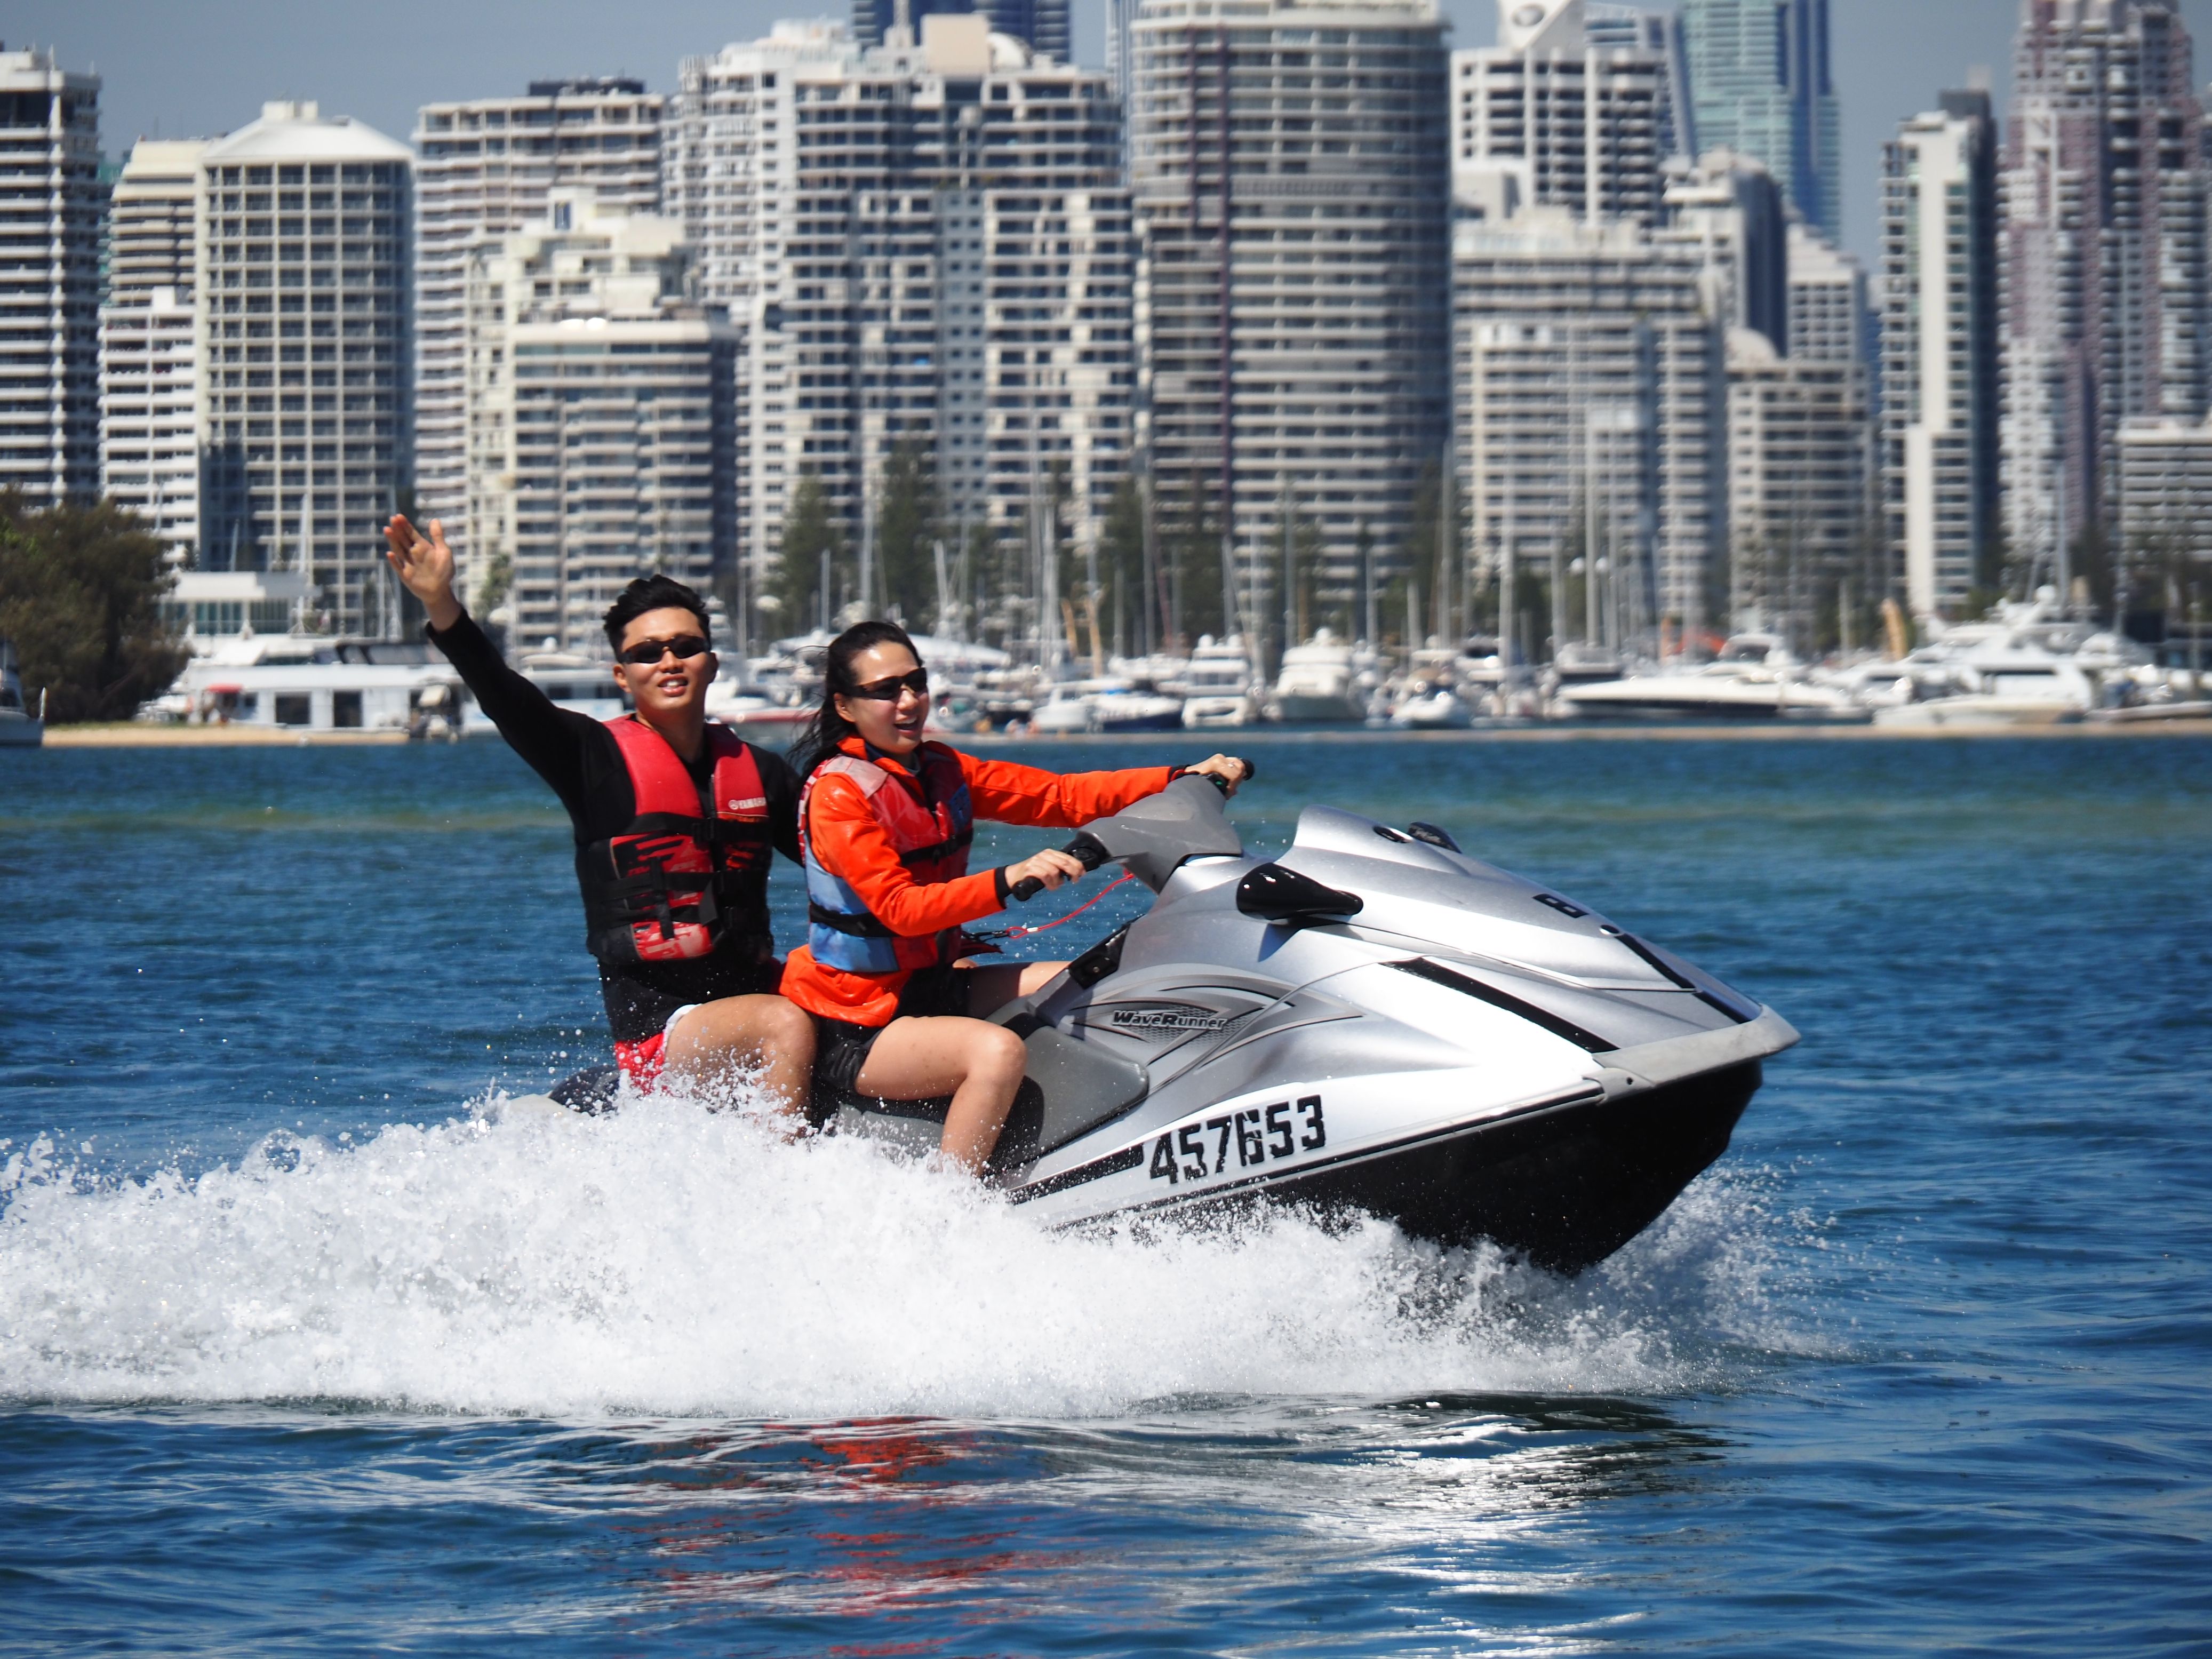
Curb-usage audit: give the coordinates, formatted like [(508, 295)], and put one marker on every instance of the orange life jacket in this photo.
[(932, 835)]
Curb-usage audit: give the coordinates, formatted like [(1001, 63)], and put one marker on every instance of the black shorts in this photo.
[(841, 1048)]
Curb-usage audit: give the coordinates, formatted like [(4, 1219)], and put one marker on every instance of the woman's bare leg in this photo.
[(763, 1037), (978, 1064)]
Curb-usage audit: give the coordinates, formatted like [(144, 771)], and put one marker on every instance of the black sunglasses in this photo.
[(887, 690), (646, 653)]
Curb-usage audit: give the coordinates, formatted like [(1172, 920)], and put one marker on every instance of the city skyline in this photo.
[(167, 73)]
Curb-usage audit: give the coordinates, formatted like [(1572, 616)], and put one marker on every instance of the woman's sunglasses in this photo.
[(888, 690), (646, 653)]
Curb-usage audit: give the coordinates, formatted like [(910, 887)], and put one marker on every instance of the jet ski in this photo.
[(1372, 1022)]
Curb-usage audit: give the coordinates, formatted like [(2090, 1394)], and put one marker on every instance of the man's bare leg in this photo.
[(763, 1038)]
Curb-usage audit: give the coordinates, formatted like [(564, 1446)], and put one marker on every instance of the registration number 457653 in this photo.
[(1258, 1135)]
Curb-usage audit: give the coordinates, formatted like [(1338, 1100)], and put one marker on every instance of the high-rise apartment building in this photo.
[(1801, 469), (1291, 160), (1729, 207), (600, 407), (1939, 351), (1590, 411), (2101, 258), (150, 458), (1590, 125), (49, 278), (304, 358), (1760, 80), (1040, 25), (927, 246), (1612, 27), (1828, 318), (483, 168), (2166, 495)]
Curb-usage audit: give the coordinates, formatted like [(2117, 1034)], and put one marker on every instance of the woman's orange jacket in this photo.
[(845, 836)]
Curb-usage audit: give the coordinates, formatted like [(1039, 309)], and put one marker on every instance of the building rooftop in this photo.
[(297, 131)]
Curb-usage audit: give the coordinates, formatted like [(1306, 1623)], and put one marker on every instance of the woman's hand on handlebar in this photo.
[(1051, 867), (1229, 769)]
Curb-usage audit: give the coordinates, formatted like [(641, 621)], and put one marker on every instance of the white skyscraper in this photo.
[(598, 412), (730, 172), (2105, 284), (1939, 351), (1729, 207), (150, 458), (1590, 410), (304, 358), (1801, 469), (1828, 316), (1291, 163), (921, 245), (483, 167), (49, 279), (1592, 124)]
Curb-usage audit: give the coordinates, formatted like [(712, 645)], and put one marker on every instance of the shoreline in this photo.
[(242, 735)]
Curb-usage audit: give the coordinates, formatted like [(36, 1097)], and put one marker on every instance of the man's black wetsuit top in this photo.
[(578, 757)]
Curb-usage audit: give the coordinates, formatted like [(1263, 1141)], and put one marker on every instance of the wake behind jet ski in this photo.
[(1372, 1022)]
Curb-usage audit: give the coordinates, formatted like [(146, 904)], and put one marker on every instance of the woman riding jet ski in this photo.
[(884, 823), (1369, 1022)]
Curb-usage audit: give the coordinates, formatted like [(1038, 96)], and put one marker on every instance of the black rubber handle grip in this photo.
[(1085, 849)]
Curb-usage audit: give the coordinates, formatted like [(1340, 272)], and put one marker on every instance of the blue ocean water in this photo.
[(299, 1354)]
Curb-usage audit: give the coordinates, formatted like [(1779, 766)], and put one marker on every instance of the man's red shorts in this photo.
[(641, 1061)]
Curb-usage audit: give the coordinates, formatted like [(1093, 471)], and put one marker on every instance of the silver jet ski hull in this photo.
[(1432, 1041)]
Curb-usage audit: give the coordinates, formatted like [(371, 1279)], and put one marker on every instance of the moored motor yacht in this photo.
[(1755, 678), (1217, 687), (1315, 686)]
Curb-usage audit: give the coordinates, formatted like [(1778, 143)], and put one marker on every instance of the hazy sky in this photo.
[(178, 67)]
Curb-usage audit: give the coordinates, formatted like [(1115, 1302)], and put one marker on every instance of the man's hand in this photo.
[(1228, 767), (425, 568)]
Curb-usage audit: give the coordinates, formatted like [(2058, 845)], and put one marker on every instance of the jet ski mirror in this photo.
[(1274, 894)]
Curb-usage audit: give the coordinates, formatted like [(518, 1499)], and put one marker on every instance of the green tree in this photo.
[(809, 549), (905, 533), (80, 597)]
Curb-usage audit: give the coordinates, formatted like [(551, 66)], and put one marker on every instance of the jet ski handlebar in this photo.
[(1156, 834)]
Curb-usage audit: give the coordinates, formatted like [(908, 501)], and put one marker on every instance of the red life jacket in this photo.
[(662, 889), (932, 835)]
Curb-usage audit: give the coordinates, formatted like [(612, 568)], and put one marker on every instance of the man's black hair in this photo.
[(654, 592)]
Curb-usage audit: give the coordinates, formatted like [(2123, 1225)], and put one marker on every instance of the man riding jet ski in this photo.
[(1371, 1021)]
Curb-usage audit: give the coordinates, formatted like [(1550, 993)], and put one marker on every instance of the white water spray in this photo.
[(669, 1260)]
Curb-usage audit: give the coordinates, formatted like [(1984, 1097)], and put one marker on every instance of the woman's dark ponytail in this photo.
[(824, 735)]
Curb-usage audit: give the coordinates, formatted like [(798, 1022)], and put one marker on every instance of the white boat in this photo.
[(1063, 713), (1754, 678), (576, 681), (1217, 688), (1579, 662), (19, 727), (1315, 684), (1138, 711), (1430, 706), (315, 683), (2029, 687)]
